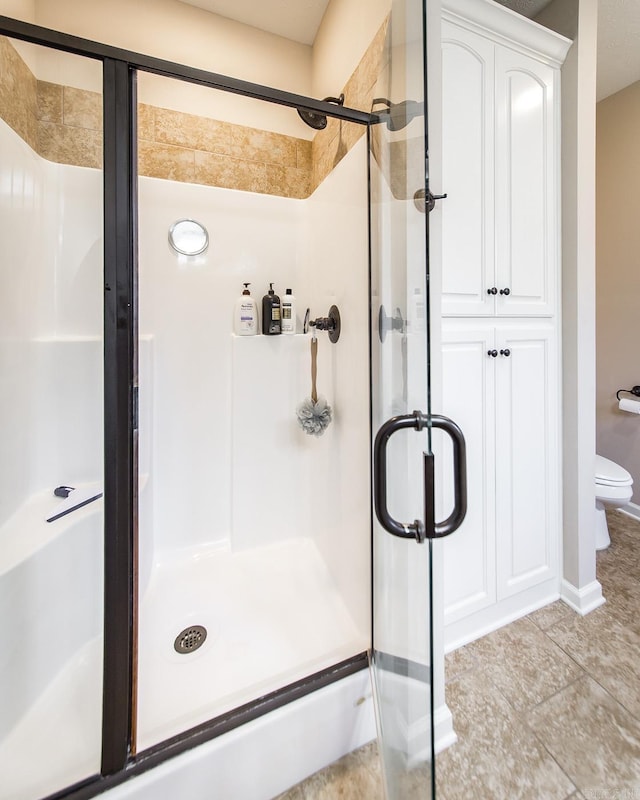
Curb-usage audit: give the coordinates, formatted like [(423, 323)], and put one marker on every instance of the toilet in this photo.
[(614, 488)]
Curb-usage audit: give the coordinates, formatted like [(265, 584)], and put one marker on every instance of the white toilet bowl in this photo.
[(614, 488)]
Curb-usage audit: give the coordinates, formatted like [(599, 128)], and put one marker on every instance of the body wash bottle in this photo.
[(245, 314), (271, 319), (288, 313)]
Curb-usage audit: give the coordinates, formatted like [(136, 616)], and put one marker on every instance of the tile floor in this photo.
[(547, 708)]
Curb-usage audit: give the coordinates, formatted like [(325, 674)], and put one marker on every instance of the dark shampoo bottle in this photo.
[(271, 313)]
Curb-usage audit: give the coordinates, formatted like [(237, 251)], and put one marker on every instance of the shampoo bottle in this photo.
[(271, 319), (288, 313), (245, 314)]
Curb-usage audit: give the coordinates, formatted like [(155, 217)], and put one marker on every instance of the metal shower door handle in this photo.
[(459, 512), (427, 528)]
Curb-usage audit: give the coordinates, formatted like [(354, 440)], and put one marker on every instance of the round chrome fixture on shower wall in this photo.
[(190, 639), (188, 237)]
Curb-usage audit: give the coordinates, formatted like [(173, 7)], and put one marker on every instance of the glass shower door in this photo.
[(402, 660), (52, 518)]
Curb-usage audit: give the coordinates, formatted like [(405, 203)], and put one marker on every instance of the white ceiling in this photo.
[(618, 29), (294, 19)]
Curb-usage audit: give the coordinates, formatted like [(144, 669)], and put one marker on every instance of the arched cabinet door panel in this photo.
[(526, 185), (468, 172)]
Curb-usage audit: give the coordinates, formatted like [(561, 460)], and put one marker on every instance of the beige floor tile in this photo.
[(353, 777), (592, 737), (624, 524), (496, 757), (458, 662), (524, 664), (577, 727), (607, 649), (545, 617), (622, 557)]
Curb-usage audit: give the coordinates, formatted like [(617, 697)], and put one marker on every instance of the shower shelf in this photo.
[(27, 531), (280, 336)]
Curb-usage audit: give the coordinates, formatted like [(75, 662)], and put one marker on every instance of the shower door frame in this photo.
[(119, 761)]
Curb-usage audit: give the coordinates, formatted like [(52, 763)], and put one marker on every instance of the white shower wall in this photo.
[(230, 466), (51, 325), (256, 530), (186, 307), (51, 428)]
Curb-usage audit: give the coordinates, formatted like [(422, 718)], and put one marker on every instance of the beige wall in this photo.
[(180, 32), (20, 9), (618, 275), (347, 29), (175, 31)]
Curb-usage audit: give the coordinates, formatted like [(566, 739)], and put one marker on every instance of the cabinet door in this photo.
[(527, 242), (527, 457), (468, 396), (467, 151)]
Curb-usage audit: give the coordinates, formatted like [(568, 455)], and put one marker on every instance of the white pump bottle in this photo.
[(245, 314)]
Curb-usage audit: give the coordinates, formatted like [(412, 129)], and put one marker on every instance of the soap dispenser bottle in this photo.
[(245, 314), (288, 313), (271, 318)]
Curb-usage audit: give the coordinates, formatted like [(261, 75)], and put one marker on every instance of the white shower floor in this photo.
[(273, 615)]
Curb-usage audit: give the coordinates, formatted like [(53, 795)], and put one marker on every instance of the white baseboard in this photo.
[(631, 510), (489, 619), (444, 734), (582, 600)]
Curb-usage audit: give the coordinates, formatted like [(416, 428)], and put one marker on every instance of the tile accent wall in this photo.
[(18, 94), (69, 124), (334, 142), (185, 147), (64, 125)]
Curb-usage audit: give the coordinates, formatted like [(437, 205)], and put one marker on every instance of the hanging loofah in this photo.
[(314, 413)]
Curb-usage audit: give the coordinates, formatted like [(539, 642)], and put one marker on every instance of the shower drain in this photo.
[(190, 639)]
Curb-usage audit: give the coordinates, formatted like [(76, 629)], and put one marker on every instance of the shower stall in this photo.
[(178, 558), (249, 528)]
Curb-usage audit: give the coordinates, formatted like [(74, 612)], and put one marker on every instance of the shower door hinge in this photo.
[(134, 408)]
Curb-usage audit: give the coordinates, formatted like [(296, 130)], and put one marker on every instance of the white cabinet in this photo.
[(500, 172), (468, 397), (527, 456), (500, 331), (507, 406), (527, 180)]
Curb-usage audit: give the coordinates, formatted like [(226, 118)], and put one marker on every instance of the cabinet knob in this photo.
[(506, 353), (506, 291), (493, 290), (492, 353)]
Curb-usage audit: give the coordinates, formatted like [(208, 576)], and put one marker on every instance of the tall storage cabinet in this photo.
[(500, 306)]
